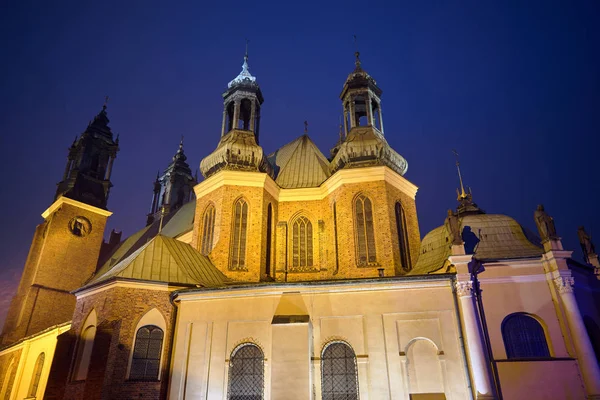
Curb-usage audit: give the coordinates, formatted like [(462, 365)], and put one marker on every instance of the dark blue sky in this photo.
[(514, 86)]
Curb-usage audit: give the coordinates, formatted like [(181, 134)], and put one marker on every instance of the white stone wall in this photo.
[(404, 334)]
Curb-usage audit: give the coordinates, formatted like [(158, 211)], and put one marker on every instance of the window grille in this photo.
[(37, 375), (365, 236), (338, 373), (302, 243), (145, 363), (208, 230), (246, 373), (402, 237), (238, 236), (524, 337)]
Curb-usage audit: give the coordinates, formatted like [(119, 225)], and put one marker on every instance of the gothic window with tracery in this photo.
[(238, 235), (402, 237), (145, 362), (524, 337), (208, 230), (36, 376), (365, 235), (302, 243), (339, 377), (246, 373)]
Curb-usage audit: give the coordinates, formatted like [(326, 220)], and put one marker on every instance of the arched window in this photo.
[(302, 243), (8, 380), (36, 376), (339, 378), (402, 237), (269, 239), (238, 235), (85, 346), (365, 236), (524, 337), (246, 373), (208, 229), (145, 363)]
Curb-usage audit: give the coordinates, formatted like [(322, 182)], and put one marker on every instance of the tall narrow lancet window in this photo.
[(524, 337), (339, 377), (85, 346), (246, 373), (36, 376), (402, 237), (145, 363), (269, 239), (238, 235), (302, 243), (208, 229), (365, 236)]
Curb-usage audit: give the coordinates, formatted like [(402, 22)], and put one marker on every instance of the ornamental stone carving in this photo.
[(464, 288), (564, 284)]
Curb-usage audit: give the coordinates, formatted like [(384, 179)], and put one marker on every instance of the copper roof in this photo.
[(300, 164), (487, 236)]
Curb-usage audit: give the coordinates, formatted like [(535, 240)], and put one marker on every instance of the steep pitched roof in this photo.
[(163, 259), (173, 225), (300, 164)]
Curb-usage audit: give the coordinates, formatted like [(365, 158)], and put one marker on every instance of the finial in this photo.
[(305, 126), (246, 56), (181, 143), (356, 53), (106, 98), (341, 129), (462, 195)]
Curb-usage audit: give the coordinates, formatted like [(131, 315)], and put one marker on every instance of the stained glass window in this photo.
[(246, 373), (365, 236), (524, 337), (402, 237), (238, 235), (145, 364), (302, 243), (338, 373), (208, 230)]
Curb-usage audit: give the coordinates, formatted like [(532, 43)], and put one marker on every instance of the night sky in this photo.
[(513, 86)]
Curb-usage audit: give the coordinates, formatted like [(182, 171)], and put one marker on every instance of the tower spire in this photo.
[(461, 195)]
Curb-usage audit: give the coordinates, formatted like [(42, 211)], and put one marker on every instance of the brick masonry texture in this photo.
[(118, 310)]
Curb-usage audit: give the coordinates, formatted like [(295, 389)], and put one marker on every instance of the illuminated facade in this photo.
[(294, 276)]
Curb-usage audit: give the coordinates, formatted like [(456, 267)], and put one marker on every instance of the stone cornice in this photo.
[(125, 283), (341, 177), (65, 200)]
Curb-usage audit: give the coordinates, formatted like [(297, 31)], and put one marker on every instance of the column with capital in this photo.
[(583, 347), (479, 366)]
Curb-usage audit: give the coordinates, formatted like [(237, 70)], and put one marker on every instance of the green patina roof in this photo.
[(164, 259), (487, 236), (300, 164)]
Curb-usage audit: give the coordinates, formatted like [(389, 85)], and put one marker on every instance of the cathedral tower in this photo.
[(238, 148), (66, 246), (174, 188)]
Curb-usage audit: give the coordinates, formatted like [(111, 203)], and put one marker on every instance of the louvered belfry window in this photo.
[(246, 373), (524, 337), (402, 237), (208, 230), (36, 376), (238, 236), (302, 243), (365, 236), (339, 378), (145, 364)]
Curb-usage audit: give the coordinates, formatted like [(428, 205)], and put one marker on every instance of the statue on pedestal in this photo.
[(545, 224), (586, 244), (453, 228)]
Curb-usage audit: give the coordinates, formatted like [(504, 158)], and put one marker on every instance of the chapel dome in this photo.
[(487, 236)]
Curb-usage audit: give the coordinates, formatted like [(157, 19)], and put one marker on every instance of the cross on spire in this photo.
[(356, 52), (106, 98), (462, 195), (305, 126)]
